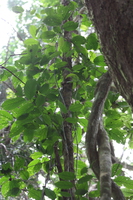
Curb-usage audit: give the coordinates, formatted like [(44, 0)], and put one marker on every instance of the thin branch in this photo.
[(2, 67)]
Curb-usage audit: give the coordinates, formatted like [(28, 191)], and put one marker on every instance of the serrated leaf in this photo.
[(10, 104), (60, 64), (5, 188), (83, 122), (5, 115), (47, 119), (44, 89), (24, 174), (65, 194), (81, 191), (126, 181), (70, 26), (77, 67), (40, 100), (71, 120), (14, 192), (50, 194), (84, 170), (127, 192), (85, 179), (16, 130), (62, 107), (54, 20), (45, 59), (75, 107), (33, 30), (48, 35), (116, 169), (78, 40), (35, 194), (63, 45), (67, 175), (92, 42), (99, 60), (17, 9), (64, 185), (30, 88)]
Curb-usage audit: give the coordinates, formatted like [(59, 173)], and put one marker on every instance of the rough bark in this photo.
[(113, 20)]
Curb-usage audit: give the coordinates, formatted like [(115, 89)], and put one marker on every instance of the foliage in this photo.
[(36, 111)]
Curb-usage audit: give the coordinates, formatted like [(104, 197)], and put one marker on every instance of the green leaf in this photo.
[(26, 108), (14, 192), (5, 115), (36, 155), (85, 179), (116, 169), (5, 188), (62, 107), (60, 64), (78, 67), (76, 107), (126, 181), (19, 163), (63, 45), (24, 174), (45, 59), (44, 89), (47, 119), (81, 49), (30, 41), (17, 9), (78, 136), (64, 185), (92, 42), (67, 175), (78, 40), (16, 130), (53, 20), (40, 100), (50, 194), (127, 192), (28, 134), (83, 122), (30, 88), (95, 193), (70, 26), (71, 120), (33, 30), (84, 170), (48, 35), (10, 104), (65, 194), (81, 191), (34, 193), (99, 60)]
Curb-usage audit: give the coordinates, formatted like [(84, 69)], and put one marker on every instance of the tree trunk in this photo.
[(113, 21)]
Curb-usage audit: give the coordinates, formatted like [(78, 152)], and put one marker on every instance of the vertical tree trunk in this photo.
[(113, 20)]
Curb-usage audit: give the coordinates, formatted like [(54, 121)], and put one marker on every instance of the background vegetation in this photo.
[(47, 94)]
